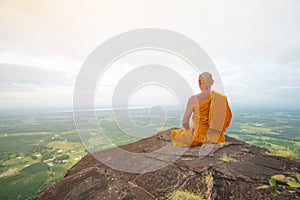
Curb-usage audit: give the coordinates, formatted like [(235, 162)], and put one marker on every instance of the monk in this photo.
[(211, 117)]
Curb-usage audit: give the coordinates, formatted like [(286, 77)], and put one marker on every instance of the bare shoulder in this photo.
[(193, 101), (193, 98)]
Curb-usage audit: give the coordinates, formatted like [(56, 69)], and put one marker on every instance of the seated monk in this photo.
[(211, 117)]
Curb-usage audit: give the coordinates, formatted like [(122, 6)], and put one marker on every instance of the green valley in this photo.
[(38, 148)]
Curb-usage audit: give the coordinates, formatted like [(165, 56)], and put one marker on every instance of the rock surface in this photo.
[(249, 168)]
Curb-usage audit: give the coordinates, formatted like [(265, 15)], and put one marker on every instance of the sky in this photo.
[(254, 44)]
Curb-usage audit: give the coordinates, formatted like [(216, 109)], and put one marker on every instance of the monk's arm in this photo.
[(187, 114)]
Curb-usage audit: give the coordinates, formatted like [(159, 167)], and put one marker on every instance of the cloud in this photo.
[(24, 86), (32, 75), (268, 84), (15, 96), (288, 87), (253, 44)]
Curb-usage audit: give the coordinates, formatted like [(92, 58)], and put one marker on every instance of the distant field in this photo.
[(277, 131), (37, 149)]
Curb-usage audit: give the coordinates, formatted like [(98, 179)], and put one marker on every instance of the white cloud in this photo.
[(288, 87), (29, 86), (35, 96), (23, 74)]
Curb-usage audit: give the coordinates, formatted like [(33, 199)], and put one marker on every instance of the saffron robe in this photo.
[(210, 119)]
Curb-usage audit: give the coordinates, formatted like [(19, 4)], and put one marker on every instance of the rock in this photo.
[(248, 168)]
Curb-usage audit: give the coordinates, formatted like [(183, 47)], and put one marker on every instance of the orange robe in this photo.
[(210, 119)]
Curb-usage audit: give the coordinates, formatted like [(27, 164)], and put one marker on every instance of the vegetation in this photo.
[(184, 195), (225, 158), (285, 183), (27, 162), (209, 180), (38, 148), (276, 131)]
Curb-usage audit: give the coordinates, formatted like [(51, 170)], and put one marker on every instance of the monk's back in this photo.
[(201, 121)]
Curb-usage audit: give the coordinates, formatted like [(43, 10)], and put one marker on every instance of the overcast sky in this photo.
[(254, 44)]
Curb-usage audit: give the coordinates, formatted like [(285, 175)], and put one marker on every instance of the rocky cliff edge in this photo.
[(230, 171)]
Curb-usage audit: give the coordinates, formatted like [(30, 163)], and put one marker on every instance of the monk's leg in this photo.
[(182, 137), (214, 137), (174, 133)]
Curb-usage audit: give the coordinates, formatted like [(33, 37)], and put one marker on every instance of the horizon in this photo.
[(234, 109)]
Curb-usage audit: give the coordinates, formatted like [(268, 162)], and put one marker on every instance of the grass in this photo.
[(64, 145), (254, 130), (184, 195), (225, 158), (284, 153), (277, 146), (209, 180)]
